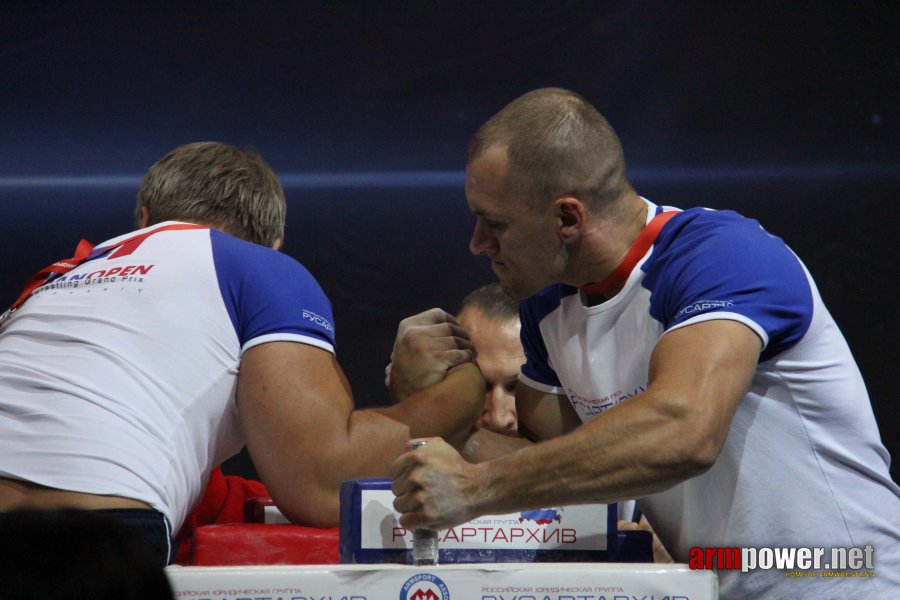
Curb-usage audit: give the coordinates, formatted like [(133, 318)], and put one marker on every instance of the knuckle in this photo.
[(420, 345)]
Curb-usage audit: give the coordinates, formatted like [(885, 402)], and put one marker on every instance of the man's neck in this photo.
[(613, 239)]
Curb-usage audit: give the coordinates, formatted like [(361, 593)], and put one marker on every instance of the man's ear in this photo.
[(571, 213), (144, 219)]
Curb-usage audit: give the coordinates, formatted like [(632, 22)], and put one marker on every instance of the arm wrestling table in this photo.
[(563, 553)]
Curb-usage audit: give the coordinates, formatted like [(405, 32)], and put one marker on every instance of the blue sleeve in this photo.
[(531, 312), (706, 262), (268, 293)]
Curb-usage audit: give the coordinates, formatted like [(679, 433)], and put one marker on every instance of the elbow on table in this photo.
[(317, 509)]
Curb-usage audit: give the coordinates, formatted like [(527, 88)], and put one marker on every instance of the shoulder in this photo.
[(269, 295), (703, 226), (719, 264), (700, 239), (234, 256)]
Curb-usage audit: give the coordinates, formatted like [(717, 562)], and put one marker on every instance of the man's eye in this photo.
[(511, 386)]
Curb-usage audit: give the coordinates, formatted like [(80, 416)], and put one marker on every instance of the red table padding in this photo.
[(234, 544)]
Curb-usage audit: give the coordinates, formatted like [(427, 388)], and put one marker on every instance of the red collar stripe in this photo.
[(638, 249)]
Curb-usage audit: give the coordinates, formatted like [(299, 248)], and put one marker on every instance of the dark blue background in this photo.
[(785, 111)]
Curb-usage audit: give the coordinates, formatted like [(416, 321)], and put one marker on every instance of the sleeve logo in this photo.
[(318, 320), (704, 306)]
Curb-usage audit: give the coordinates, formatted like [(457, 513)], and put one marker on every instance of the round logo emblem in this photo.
[(424, 586)]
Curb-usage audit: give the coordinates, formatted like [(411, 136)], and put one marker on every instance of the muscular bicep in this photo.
[(700, 373), (297, 416), (543, 415)]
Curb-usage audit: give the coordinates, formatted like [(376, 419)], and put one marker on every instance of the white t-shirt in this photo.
[(803, 463), (119, 377)]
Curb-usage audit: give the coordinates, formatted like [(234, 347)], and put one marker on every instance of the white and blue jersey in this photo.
[(803, 463), (119, 377)]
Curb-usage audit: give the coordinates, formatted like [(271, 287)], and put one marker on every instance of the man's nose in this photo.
[(499, 411), (480, 240)]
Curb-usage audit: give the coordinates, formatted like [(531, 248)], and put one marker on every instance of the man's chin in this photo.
[(511, 288), (517, 291)]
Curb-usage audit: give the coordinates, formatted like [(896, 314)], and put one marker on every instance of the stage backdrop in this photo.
[(787, 112)]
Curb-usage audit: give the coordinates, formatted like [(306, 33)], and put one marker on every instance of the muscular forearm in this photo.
[(614, 457), (673, 431), (306, 438), (375, 437), (369, 444), (646, 444), (427, 345), (640, 447), (484, 445), (447, 409)]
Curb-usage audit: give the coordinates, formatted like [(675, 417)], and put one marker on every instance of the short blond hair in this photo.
[(219, 185)]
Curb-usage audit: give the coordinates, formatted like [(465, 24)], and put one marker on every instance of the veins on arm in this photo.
[(673, 431)]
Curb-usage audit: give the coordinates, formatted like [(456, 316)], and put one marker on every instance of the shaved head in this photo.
[(557, 144)]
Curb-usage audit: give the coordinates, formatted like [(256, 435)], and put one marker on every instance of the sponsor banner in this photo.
[(371, 533), (449, 582), (581, 527)]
